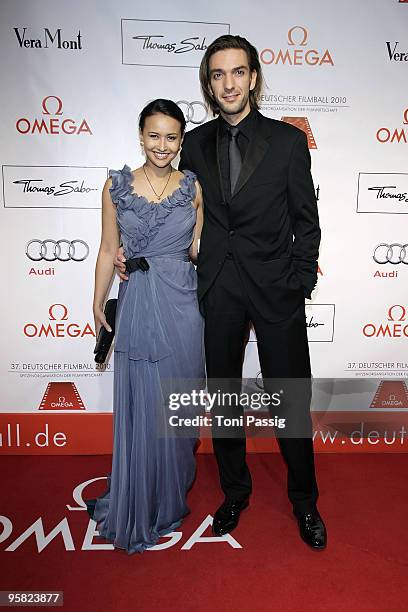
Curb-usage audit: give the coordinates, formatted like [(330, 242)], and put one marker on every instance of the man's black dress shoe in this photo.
[(312, 529), (227, 516)]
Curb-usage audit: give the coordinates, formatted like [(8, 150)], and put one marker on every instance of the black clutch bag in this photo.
[(105, 338)]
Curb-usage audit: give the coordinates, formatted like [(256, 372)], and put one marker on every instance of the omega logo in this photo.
[(297, 37), (59, 329), (53, 125), (303, 41), (385, 134), (393, 329)]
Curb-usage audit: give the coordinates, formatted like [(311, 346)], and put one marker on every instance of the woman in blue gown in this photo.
[(156, 212)]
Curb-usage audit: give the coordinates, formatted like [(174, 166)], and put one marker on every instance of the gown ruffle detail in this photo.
[(159, 338)]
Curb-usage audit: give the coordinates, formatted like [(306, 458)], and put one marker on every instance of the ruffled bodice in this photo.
[(141, 222)]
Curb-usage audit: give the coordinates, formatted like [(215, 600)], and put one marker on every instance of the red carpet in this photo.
[(363, 499)]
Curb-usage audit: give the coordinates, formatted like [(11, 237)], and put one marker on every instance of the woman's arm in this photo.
[(104, 263), (198, 205)]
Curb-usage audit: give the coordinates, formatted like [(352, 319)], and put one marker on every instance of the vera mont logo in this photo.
[(49, 39)]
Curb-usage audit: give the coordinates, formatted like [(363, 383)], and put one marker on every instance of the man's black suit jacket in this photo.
[(270, 224)]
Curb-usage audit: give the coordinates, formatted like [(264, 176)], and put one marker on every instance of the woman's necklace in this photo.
[(158, 195)]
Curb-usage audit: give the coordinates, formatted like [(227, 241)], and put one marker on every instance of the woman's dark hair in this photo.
[(165, 107), (228, 41)]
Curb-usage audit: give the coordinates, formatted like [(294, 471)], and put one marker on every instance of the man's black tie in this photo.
[(235, 159)]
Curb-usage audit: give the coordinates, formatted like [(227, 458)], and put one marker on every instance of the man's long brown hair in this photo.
[(228, 41)]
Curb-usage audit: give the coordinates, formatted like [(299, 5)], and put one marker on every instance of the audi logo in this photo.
[(195, 112), (394, 253), (53, 250)]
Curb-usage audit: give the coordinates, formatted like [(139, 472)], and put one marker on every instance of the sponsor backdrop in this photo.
[(74, 78)]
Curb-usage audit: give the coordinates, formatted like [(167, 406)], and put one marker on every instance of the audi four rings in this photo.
[(394, 253), (53, 250), (192, 113)]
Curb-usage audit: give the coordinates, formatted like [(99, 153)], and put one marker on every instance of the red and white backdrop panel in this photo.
[(74, 78)]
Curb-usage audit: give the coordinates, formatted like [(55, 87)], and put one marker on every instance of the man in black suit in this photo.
[(257, 262)]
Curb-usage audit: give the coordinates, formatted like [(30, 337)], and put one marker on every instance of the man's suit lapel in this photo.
[(211, 156), (254, 155)]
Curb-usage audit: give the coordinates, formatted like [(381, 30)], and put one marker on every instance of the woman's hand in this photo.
[(100, 320), (119, 263)]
